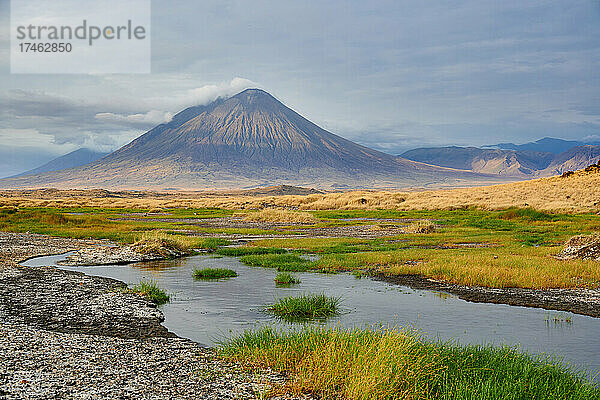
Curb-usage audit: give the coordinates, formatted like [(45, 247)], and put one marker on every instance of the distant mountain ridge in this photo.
[(247, 141), (73, 159), (509, 163), (547, 144)]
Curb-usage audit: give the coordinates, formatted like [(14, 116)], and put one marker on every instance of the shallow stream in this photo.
[(210, 311)]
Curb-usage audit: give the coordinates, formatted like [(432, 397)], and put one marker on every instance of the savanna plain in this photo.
[(497, 237)]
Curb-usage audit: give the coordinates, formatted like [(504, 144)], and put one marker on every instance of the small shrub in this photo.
[(285, 278), (567, 174), (305, 307), (214, 273), (8, 210), (593, 167), (152, 292), (56, 219), (421, 226)]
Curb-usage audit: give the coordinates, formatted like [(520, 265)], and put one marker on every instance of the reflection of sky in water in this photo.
[(208, 311)]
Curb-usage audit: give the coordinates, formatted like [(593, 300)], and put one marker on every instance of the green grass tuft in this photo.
[(305, 307), (285, 278), (390, 364), (214, 273), (242, 251), (529, 214), (283, 262), (213, 243), (152, 292)]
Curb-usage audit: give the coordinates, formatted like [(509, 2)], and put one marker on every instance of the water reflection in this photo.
[(159, 266)]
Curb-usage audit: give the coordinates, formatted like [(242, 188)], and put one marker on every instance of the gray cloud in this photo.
[(152, 117), (388, 74), (101, 124)]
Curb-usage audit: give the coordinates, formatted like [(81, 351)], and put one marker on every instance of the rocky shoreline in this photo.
[(109, 255), (66, 335), (578, 301)]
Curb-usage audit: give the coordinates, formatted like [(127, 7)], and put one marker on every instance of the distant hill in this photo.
[(549, 145), (246, 141), (571, 160), (510, 163), (73, 159), (487, 161)]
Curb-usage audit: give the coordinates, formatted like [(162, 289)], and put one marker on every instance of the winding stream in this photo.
[(209, 311)]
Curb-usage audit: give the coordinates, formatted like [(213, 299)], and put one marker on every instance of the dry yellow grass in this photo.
[(277, 215), (523, 267), (159, 242), (576, 193), (348, 364)]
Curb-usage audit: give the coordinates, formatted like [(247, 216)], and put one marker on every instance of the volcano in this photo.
[(248, 140)]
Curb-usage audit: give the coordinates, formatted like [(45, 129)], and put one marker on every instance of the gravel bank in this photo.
[(112, 255), (40, 364), (65, 335)]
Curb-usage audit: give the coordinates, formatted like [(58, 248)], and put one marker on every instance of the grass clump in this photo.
[(358, 274), (305, 307), (214, 273), (529, 214), (213, 243), (421, 226), (162, 243), (359, 364), (283, 262), (152, 292), (247, 250), (558, 318), (285, 278), (281, 216)]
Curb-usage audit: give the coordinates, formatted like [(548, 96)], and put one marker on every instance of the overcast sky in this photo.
[(391, 75)]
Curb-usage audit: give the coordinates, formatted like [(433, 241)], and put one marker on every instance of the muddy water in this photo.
[(209, 311)]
